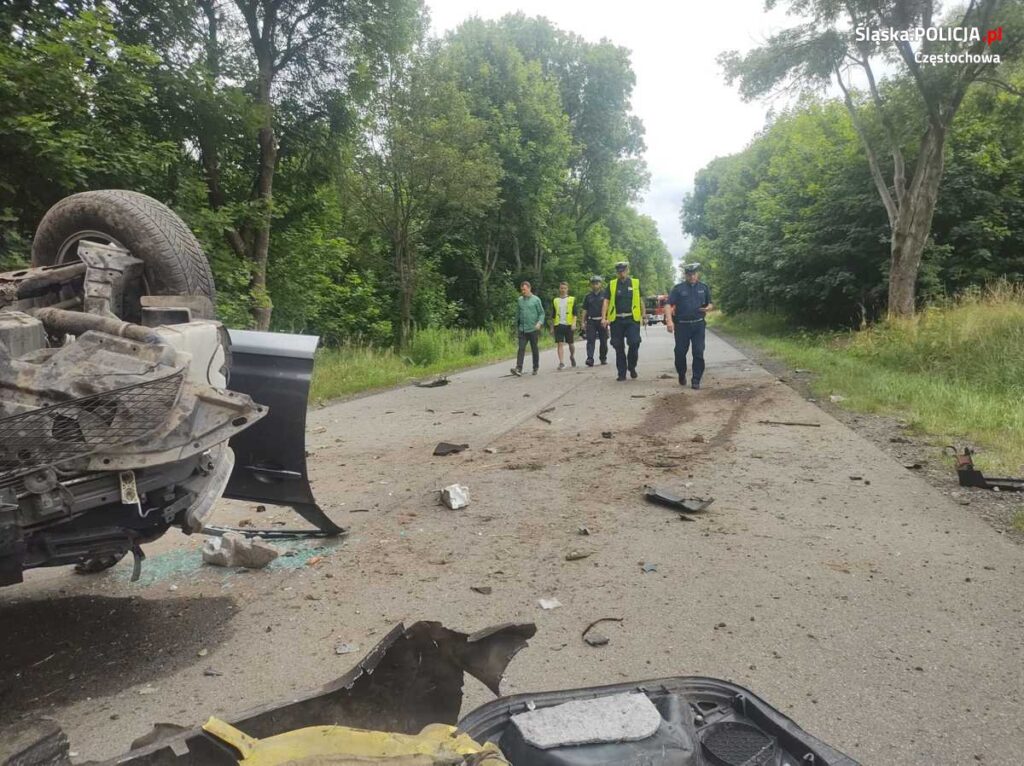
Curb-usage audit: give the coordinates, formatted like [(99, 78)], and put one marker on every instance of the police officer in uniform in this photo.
[(689, 302), (622, 312), (591, 319)]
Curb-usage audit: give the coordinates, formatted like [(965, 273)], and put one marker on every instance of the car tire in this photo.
[(174, 262)]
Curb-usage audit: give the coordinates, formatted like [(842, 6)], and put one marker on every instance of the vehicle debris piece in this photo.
[(788, 423), (969, 476), (549, 603), (490, 450), (447, 448), (647, 566), (411, 679), (546, 420), (673, 500), (433, 383), (913, 466), (606, 434), (455, 496), (345, 648), (273, 534), (575, 555), (483, 590), (233, 550), (595, 638), (604, 720), (585, 531)]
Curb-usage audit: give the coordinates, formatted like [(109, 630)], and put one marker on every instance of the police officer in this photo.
[(590, 318), (622, 312), (689, 302)]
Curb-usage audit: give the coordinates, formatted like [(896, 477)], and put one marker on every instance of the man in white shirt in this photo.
[(564, 321)]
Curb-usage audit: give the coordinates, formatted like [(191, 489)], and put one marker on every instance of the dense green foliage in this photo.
[(954, 371), (793, 225), (347, 175)]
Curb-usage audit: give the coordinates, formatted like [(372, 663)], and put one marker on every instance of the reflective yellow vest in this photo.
[(612, 287), (568, 309)]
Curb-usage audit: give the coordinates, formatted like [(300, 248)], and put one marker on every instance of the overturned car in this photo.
[(125, 409)]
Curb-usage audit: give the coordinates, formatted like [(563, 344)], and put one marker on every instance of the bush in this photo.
[(429, 346), (479, 343)]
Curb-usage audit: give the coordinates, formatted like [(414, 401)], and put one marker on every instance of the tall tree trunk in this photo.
[(914, 222), (405, 269), (261, 304)]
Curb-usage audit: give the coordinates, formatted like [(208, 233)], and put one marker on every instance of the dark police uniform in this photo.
[(625, 327), (592, 318), (686, 301)]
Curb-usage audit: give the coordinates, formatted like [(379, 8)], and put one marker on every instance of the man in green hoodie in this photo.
[(529, 321)]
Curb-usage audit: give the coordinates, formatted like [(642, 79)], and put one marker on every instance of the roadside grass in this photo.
[(1017, 519), (352, 369), (954, 372)]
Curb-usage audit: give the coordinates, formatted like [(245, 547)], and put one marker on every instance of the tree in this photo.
[(528, 131), (841, 38), (423, 152)]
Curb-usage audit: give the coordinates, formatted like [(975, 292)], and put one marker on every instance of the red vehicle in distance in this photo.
[(654, 309)]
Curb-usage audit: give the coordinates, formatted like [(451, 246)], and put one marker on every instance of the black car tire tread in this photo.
[(174, 260)]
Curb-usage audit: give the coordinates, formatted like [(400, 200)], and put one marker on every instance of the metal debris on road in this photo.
[(585, 531), (484, 590), (546, 420), (672, 500), (344, 648), (913, 466), (455, 496), (969, 476), (606, 434), (549, 603), (434, 383), (447, 448), (597, 639), (212, 673), (788, 423), (648, 567), (274, 534)]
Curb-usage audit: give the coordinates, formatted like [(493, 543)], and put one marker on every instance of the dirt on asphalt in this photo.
[(870, 606)]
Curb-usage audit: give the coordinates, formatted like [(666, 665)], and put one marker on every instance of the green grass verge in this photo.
[(955, 372), (351, 370)]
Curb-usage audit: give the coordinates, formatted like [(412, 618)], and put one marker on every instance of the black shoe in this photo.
[(682, 380), (604, 361), (590, 363), (517, 372), (695, 385), (632, 374), (621, 378)]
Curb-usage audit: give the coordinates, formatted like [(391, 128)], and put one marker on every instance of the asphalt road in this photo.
[(880, 615)]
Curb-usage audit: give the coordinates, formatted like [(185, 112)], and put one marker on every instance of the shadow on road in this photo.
[(61, 650)]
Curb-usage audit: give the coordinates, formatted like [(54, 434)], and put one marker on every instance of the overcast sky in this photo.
[(690, 114)]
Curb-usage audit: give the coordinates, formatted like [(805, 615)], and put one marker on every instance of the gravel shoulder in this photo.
[(866, 603)]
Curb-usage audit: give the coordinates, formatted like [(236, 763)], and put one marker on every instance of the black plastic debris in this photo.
[(676, 501), (446, 448), (433, 383), (969, 476)]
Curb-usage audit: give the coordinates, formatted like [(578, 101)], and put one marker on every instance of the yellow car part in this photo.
[(436, 745)]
